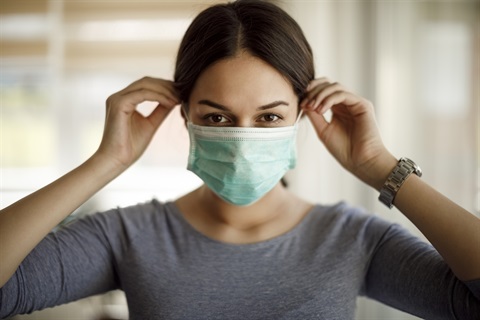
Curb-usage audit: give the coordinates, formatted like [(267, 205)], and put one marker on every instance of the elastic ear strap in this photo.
[(185, 112), (299, 116)]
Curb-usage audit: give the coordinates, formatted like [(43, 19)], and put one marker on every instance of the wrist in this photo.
[(105, 166), (377, 173), (402, 171), (385, 172)]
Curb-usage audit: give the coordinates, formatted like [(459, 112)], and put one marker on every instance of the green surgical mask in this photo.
[(241, 164)]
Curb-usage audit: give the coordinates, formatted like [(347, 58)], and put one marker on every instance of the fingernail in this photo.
[(311, 104)]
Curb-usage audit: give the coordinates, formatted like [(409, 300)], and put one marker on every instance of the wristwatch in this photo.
[(395, 180)]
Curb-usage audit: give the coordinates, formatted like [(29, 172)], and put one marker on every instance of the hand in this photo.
[(127, 133), (351, 136)]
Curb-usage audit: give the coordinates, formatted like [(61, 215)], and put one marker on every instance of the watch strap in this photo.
[(395, 180)]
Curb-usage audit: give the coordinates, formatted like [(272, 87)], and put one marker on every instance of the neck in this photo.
[(275, 213), (245, 217)]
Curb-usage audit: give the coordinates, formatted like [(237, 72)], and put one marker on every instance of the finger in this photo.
[(150, 83), (327, 91), (314, 87), (316, 82), (317, 94), (165, 87), (158, 115), (128, 102), (319, 122), (354, 104), (154, 84)]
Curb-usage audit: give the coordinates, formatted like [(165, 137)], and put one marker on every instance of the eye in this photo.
[(270, 118), (215, 118)]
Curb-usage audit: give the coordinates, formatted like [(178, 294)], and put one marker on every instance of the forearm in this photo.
[(25, 223), (126, 135), (453, 231)]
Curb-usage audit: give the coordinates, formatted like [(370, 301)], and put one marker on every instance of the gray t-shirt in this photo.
[(169, 270)]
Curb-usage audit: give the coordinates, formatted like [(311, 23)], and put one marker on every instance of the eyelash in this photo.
[(278, 117), (208, 117)]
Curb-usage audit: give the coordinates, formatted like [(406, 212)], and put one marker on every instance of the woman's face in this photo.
[(243, 91)]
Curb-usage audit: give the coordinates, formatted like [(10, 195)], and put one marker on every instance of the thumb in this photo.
[(158, 115), (319, 123)]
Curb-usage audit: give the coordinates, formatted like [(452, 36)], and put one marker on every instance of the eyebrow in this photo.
[(223, 108)]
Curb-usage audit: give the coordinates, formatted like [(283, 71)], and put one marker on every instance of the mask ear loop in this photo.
[(299, 116), (185, 112)]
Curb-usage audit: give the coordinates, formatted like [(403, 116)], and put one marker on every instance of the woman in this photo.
[(242, 246)]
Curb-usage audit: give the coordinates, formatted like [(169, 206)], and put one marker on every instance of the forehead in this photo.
[(242, 78)]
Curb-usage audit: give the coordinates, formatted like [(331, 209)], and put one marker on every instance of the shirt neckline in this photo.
[(177, 214)]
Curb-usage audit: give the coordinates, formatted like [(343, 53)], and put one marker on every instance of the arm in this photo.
[(25, 223), (353, 139), (77, 261), (453, 231), (408, 274), (127, 133)]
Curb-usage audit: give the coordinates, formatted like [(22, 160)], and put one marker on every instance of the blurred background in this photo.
[(417, 61)]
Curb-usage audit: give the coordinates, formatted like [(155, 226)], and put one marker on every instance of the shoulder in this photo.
[(347, 224), (123, 222), (138, 213), (343, 216)]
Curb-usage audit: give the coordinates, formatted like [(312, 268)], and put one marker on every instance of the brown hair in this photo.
[(260, 28)]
